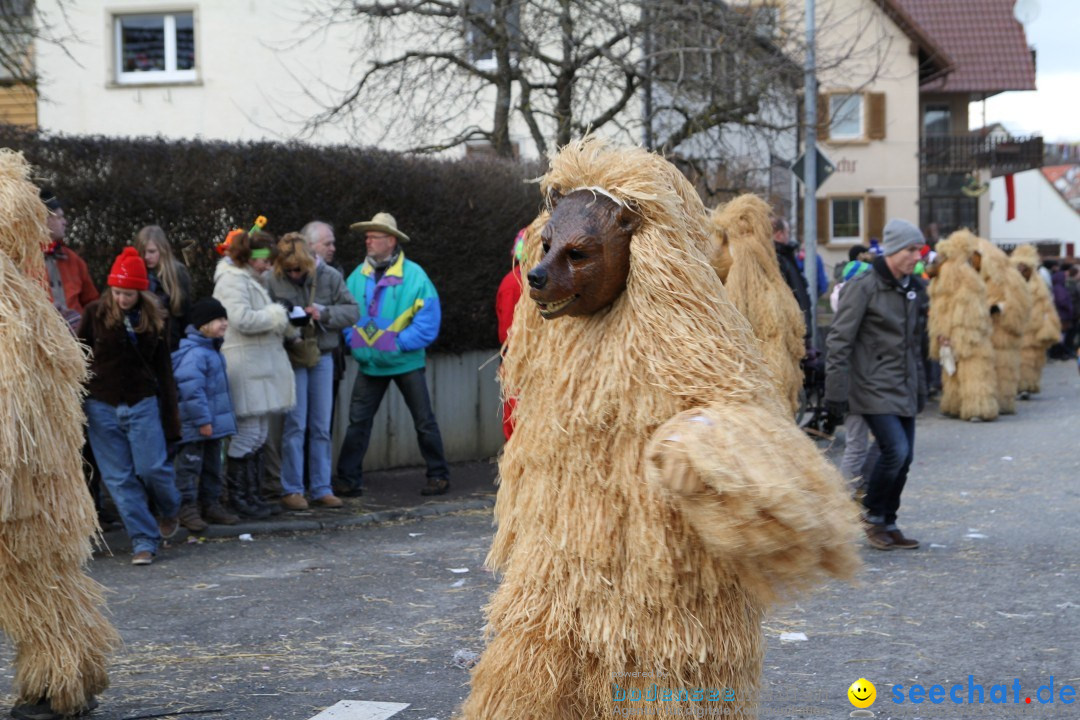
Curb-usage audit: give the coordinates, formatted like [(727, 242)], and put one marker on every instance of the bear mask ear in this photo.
[(628, 218), (554, 195)]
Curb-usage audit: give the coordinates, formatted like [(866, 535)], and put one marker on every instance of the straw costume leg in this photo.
[(49, 608)]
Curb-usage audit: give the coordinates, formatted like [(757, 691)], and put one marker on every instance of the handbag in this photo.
[(304, 353)]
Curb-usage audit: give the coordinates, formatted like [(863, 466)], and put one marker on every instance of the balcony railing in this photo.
[(964, 153)]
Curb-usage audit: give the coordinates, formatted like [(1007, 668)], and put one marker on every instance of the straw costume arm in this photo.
[(757, 492)]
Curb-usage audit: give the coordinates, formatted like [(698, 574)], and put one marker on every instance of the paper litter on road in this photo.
[(793, 637), (415, 534), (459, 583), (976, 536), (246, 537), (361, 710), (935, 545), (1006, 457), (458, 570)]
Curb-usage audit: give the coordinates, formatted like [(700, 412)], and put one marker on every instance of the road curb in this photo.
[(278, 526)]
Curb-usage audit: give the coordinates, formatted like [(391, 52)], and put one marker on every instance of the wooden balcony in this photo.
[(965, 153)]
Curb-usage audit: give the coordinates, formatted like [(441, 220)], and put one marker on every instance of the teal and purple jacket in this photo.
[(399, 317)]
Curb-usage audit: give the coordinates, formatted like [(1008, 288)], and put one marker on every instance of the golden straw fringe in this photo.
[(52, 611), (655, 496), (1044, 326), (745, 259), (960, 312)]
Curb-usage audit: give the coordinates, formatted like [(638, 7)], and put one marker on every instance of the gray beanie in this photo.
[(900, 234)]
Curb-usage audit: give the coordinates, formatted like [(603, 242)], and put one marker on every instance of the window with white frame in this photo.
[(846, 220), (846, 116), (155, 48)]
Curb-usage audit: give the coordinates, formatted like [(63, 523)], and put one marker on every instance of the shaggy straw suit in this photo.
[(655, 496), (1007, 291), (960, 312), (49, 608), (745, 260), (1044, 326)]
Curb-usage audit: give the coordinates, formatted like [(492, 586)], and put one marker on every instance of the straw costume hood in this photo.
[(1010, 307), (655, 495), (960, 314), (49, 608), (1043, 328), (745, 260)]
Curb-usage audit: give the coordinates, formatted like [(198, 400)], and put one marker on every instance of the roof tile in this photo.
[(985, 42)]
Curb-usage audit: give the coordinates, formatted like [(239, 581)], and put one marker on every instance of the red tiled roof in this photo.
[(985, 42)]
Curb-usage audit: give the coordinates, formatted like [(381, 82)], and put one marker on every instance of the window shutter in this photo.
[(875, 217), (875, 116), (823, 234), (823, 116)]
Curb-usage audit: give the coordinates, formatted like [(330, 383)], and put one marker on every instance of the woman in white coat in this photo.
[(260, 375)]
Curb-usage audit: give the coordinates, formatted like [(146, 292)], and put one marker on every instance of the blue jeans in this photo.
[(129, 446), (198, 472), (895, 437), (367, 394), (314, 404)]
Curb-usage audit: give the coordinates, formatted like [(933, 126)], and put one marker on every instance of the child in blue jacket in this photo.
[(206, 417)]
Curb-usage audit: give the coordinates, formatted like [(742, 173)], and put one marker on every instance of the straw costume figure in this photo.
[(655, 495), (1043, 328), (960, 322), (745, 260), (1010, 306), (49, 608)]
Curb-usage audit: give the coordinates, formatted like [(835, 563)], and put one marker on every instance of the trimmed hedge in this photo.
[(461, 215)]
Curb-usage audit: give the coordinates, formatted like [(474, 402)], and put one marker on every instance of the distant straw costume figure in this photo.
[(1010, 307), (1043, 328), (745, 260), (49, 608), (655, 495), (960, 320)]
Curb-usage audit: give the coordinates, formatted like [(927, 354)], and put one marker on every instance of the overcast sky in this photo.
[(1054, 109)]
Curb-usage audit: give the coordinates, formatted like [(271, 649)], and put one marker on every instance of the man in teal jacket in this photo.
[(399, 317)]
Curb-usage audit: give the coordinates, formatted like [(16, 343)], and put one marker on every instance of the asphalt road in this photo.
[(287, 625)]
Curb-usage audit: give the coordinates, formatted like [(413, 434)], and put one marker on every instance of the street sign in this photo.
[(825, 168)]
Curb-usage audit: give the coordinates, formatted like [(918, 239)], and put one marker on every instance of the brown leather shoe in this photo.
[(142, 558), (879, 538), (168, 526), (190, 518), (216, 514), (901, 542), (294, 501), (436, 486), (328, 501)]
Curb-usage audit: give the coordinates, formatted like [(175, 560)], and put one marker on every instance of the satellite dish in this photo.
[(1025, 11)]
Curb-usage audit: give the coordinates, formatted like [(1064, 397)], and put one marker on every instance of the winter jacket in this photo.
[(506, 300), (203, 388), (260, 376), (1062, 299), (789, 269), (399, 317), (75, 286), (177, 323), (122, 373), (337, 308), (874, 361)]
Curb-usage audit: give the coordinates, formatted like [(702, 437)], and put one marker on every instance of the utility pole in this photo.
[(810, 174)]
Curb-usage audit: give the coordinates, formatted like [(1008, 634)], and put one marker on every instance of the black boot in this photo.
[(236, 482), (256, 497)]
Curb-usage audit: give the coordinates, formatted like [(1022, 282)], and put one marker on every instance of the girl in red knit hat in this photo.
[(131, 408)]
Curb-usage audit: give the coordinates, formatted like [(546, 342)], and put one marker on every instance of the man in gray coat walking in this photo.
[(874, 368)]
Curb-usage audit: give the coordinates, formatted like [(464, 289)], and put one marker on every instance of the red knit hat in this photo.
[(129, 271)]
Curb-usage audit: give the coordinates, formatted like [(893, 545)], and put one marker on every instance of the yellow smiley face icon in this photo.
[(862, 693)]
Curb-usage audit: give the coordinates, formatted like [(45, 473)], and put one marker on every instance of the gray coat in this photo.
[(874, 361), (337, 308)]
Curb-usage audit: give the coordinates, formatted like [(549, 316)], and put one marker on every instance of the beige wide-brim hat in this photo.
[(382, 222)]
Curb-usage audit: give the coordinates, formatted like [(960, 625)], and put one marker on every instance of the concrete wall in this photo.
[(465, 396)]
